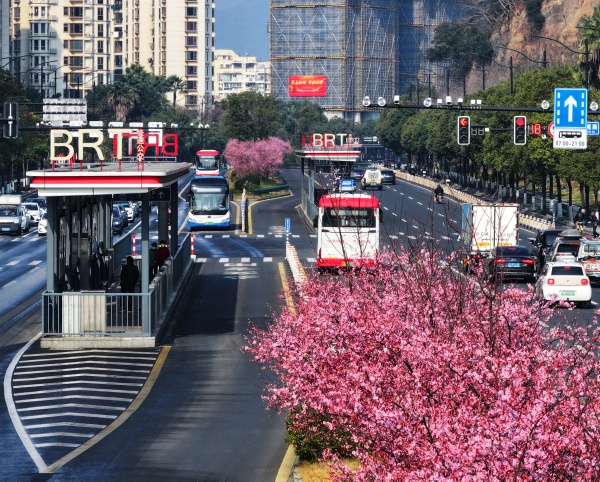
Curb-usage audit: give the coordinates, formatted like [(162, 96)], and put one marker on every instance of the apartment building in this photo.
[(238, 73), (65, 47)]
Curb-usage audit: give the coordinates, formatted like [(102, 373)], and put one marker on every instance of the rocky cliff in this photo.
[(514, 32)]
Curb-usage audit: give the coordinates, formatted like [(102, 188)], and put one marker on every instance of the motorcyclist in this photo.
[(580, 219), (438, 192)]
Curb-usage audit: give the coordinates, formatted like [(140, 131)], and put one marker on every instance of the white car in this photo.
[(43, 225), (34, 211), (564, 281)]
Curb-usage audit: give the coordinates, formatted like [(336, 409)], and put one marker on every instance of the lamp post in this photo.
[(510, 66), (586, 52), (12, 59), (544, 62), (416, 76)]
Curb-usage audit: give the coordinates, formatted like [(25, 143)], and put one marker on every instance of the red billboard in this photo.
[(307, 86)]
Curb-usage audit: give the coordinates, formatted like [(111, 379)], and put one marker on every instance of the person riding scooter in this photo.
[(438, 193)]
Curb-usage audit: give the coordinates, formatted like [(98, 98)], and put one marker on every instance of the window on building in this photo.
[(100, 46), (191, 11), (100, 13), (191, 99), (191, 55), (191, 70), (100, 30), (191, 26), (191, 41), (191, 85), (100, 63)]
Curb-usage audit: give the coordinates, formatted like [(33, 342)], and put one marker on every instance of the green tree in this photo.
[(590, 30), (250, 116), (462, 45)]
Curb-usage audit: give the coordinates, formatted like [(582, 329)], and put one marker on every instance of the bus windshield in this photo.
[(209, 202), (207, 163), (349, 217)]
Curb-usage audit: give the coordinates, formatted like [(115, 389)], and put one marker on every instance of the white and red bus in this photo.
[(347, 231), (207, 163)]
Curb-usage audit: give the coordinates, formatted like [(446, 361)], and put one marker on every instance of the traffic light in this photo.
[(464, 130), (10, 120), (520, 130)]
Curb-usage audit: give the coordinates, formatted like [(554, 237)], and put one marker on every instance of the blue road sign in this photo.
[(287, 224), (593, 128), (570, 108)]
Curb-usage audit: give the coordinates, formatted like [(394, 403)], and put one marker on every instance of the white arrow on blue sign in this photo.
[(570, 108)]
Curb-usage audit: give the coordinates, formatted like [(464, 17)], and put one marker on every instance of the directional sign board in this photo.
[(593, 128), (570, 118), (160, 194)]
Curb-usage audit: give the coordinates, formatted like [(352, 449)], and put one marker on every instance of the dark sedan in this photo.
[(511, 262), (358, 173), (542, 244), (388, 176)]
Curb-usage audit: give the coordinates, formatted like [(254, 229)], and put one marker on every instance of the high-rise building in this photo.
[(64, 47), (235, 74), (337, 52)]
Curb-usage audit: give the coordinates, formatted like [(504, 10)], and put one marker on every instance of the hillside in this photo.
[(561, 21)]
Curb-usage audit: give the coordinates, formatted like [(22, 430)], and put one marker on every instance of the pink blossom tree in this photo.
[(264, 157), (436, 376)]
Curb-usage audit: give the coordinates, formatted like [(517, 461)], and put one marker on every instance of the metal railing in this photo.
[(102, 313)]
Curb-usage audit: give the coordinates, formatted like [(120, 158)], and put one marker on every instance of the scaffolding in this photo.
[(363, 47)]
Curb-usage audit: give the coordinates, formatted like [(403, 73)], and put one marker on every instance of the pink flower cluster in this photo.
[(438, 376), (264, 157)]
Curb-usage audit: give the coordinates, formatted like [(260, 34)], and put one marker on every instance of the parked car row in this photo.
[(124, 212)]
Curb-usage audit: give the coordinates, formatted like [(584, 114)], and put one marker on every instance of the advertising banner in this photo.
[(307, 86)]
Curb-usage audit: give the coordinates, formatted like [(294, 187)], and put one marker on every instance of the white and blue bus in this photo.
[(208, 201), (207, 163)]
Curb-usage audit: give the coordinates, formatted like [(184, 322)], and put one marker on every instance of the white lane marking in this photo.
[(268, 260), (35, 263)]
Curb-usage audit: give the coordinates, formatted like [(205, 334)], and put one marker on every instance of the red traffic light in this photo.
[(463, 121), (520, 121)]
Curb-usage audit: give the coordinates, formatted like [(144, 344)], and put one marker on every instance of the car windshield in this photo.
[(549, 238), (591, 249), (567, 271), (32, 207), (567, 248)]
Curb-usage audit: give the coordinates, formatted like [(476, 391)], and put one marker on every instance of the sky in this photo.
[(241, 26)]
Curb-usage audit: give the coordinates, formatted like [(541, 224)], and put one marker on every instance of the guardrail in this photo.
[(100, 314), (532, 222), (291, 256)]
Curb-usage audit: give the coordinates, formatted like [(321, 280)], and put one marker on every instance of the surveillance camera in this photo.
[(366, 101), (459, 100), (448, 100), (396, 99)]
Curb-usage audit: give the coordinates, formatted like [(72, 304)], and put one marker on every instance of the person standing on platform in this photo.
[(152, 260), (162, 254), (129, 278)]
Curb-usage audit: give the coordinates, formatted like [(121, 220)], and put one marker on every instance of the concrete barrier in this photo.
[(291, 256)]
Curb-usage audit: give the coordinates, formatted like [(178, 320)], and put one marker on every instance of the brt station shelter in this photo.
[(78, 308), (338, 159)]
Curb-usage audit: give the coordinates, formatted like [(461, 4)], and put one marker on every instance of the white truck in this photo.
[(486, 226), (13, 216)]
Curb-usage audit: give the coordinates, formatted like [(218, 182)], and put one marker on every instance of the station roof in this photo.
[(108, 178)]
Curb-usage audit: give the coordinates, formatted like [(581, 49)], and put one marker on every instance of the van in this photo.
[(372, 178), (588, 255)]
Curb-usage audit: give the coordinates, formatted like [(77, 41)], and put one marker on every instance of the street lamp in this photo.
[(12, 59), (586, 52), (544, 62)]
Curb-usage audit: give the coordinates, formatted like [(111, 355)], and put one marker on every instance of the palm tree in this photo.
[(122, 98), (590, 32), (175, 84)]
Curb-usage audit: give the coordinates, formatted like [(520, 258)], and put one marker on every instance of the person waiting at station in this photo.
[(129, 278), (162, 254)]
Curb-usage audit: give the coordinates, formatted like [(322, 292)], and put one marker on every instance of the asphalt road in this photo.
[(203, 418)]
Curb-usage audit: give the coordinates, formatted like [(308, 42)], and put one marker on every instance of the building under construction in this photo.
[(337, 52)]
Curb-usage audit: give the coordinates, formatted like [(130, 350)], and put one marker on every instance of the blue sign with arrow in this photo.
[(570, 108)]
